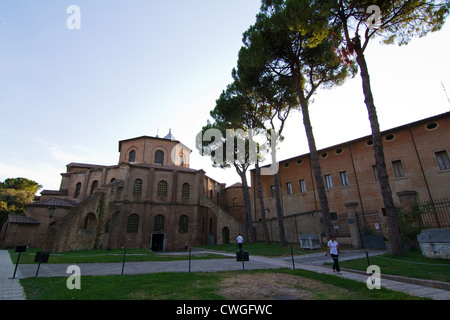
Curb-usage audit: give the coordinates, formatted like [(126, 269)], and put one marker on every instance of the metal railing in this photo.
[(435, 214)]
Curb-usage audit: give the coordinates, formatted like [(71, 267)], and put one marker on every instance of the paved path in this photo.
[(11, 288)]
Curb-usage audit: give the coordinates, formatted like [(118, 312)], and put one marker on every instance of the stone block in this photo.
[(309, 241), (435, 243)]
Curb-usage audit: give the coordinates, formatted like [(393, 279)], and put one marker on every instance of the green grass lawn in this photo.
[(135, 255), (101, 256), (413, 265), (184, 286)]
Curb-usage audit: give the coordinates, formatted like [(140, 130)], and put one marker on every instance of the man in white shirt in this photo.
[(239, 240), (333, 250)]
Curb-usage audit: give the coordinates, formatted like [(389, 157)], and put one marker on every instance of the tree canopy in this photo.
[(15, 194)]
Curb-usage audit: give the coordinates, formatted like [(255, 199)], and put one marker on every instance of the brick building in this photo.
[(150, 199), (417, 160), (153, 199)]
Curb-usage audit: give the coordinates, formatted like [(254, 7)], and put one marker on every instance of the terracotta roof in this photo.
[(85, 165), (21, 219), (237, 184), (54, 192), (54, 202)]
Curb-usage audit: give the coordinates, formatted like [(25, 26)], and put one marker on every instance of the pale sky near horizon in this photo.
[(143, 67)]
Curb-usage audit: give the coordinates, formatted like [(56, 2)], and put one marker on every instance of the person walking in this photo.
[(239, 240), (333, 250)]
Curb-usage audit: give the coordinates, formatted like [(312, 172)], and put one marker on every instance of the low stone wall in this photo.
[(435, 243), (294, 225)]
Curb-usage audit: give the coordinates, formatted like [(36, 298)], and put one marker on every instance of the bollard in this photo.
[(123, 263), (190, 252), (367, 257), (292, 255)]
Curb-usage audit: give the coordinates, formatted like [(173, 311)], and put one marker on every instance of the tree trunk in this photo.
[(278, 207), (317, 170), (261, 204), (248, 221), (383, 178), (283, 240)]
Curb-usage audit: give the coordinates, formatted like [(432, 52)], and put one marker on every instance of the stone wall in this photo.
[(435, 243), (295, 225)]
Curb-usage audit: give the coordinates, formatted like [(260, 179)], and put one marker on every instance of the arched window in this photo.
[(132, 156), (90, 222), (184, 222), (185, 191), (159, 157), (93, 187), (235, 201), (133, 223), (162, 188), (107, 225), (159, 223), (137, 188), (77, 190)]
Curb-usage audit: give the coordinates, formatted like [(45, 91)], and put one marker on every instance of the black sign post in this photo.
[(123, 262), (41, 257), (19, 250), (242, 256)]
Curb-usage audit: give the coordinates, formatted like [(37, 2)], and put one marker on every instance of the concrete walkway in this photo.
[(10, 289), (311, 262)]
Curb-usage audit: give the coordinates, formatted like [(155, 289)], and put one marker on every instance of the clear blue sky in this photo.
[(138, 67)]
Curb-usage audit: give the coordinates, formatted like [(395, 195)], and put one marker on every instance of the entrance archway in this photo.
[(157, 241), (225, 235)]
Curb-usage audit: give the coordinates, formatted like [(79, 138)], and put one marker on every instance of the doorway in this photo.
[(225, 235), (157, 242)]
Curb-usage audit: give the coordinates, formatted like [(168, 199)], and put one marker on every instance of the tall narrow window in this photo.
[(272, 191), (159, 223), (328, 181), (133, 223), (289, 188), (162, 189), (185, 191), (137, 188), (375, 172), (132, 156), (107, 225), (159, 157), (93, 187), (184, 223), (77, 190), (235, 202), (442, 159), (344, 178), (398, 169), (302, 186)]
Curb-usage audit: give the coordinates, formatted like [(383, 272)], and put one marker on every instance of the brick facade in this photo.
[(148, 200), (412, 154)]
